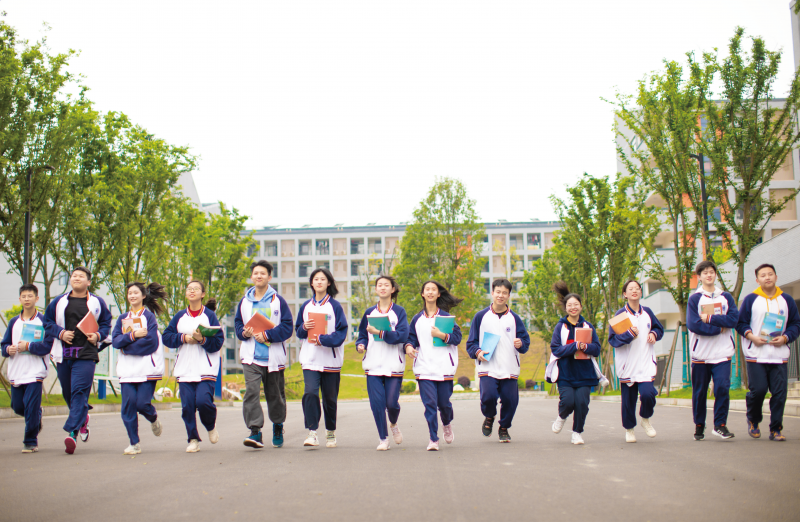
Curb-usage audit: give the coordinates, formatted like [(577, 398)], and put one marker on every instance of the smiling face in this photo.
[(573, 307), (384, 288), (135, 297), (79, 281), (632, 291), (500, 295), (430, 292), (260, 277), (320, 283), (708, 276), (194, 293)]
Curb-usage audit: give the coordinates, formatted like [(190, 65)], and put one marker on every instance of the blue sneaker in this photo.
[(752, 429), (277, 435), (254, 440)]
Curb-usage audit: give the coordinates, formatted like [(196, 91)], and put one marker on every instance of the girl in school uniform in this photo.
[(570, 367), (635, 360), (322, 360), (141, 359), (435, 366), (384, 361), (197, 363)]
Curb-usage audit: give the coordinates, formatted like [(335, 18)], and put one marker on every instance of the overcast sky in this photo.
[(339, 111)]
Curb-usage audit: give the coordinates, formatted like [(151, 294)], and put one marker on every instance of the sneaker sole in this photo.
[(578, 443), (311, 445), (86, 438), (721, 436), (277, 445), (330, 445), (699, 438), (70, 444), (34, 450), (252, 444)]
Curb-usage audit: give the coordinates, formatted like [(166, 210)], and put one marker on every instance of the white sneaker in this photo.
[(398, 437), (384, 445), (576, 438), (213, 436), (194, 446), (133, 449), (648, 428), (558, 424), (156, 427), (330, 441), (433, 445), (448, 434), (311, 440), (630, 436)]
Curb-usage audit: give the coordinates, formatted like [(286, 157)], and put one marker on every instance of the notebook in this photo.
[(771, 327), (208, 331), (259, 321), (489, 344), (381, 322), (132, 324), (445, 324), (88, 324), (32, 333), (620, 323), (582, 335), (711, 308), (320, 326)]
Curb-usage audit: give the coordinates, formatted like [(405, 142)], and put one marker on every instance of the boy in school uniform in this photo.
[(768, 321), (499, 375), (27, 347), (263, 355), (74, 352), (711, 317)]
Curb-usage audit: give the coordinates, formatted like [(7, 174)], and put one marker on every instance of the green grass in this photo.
[(55, 399)]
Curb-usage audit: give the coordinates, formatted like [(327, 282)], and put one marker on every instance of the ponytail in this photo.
[(564, 295), (151, 294)]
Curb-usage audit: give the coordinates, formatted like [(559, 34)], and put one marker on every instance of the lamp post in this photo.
[(700, 159), (26, 253), (218, 384)]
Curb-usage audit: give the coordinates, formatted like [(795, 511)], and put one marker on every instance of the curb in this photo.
[(8, 413)]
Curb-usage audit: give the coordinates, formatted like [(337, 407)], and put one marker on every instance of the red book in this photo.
[(88, 324), (582, 335), (259, 323), (320, 326)]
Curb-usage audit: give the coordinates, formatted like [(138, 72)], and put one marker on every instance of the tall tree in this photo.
[(748, 136), (443, 242)]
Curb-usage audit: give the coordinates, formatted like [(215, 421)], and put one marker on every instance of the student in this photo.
[(263, 355), (574, 373), (499, 375), (27, 365), (435, 366), (74, 352), (140, 363), (635, 360), (384, 361), (767, 361), (712, 347), (197, 363), (321, 362)]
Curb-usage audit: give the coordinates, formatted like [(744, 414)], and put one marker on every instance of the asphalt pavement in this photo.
[(539, 476)]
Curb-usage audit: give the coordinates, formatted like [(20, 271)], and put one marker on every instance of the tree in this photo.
[(748, 137), (443, 242)]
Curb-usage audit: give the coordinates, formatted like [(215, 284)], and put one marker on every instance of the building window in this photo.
[(305, 269), (230, 354), (323, 247), (305, 248), (532, 260), (487, 286), (374, 246), (356, 267), (324, 264), (356, 246), (305, 291), (515, 241), (252, 249), (485, 266), (271, 248), (535, 240)]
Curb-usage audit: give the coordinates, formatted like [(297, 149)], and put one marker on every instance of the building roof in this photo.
[(374, 227)]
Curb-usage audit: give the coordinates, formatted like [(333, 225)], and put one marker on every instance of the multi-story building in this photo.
[(347, 251)]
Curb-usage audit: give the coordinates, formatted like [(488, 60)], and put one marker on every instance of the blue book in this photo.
[(772, 326), (381, 322), (445, 325), (32, 333), (489, 344)]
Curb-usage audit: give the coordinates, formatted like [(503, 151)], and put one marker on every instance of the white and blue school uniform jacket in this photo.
[(387, 357), (504, 363), (711, 342), (433, 363), (751, 315), (563, 367), (634, 357), (29, 366), (328, 357), (54, 322), (139, 359), (279, 314), (194, 362)]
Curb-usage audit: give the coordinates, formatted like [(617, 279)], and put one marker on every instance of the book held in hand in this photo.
[(771, 327), (381, 322), (445, 324), (259, 322), (32, 333), (88, 324), (208, 331), (131, 324), (582, 335), (320, 326), (620, 323), (711, 308), (489, 344)]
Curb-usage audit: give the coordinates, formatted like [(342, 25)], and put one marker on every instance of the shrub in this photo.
[(409, 387), (464, 382), (529, 384)]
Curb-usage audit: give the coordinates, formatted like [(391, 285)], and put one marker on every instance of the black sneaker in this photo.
[(698, 432), (504, 436), (488, 423), (722, 431)]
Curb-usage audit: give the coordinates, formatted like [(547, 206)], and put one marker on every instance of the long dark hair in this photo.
[(150, 295), (332, 290), (211, 304), (393, 282), (446, 300), (564, 295)]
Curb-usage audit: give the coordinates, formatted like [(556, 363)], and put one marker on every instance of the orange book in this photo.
[(131, 325), (582, 335), (320, 326), (712, 308), (620, 323), (259, 323), (88, 324)]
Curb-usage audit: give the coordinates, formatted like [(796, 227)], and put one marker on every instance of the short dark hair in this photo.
[(629, 281), (263, 263), (702, 265), (29, 287), (84, 270), (332, 291), (765, 265), (393, 283), (502, 282)]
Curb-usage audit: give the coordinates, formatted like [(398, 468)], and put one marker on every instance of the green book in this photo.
[(380, 322), (445, 324), (208, 331)]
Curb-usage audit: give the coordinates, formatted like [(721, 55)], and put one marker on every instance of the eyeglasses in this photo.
[(193, 289)]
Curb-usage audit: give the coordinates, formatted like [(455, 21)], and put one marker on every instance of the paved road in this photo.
[(539, 475)]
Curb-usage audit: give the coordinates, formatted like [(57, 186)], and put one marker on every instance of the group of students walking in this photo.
[(386, 337)]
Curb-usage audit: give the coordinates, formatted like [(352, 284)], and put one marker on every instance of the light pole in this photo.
[(700, 159), (26, 253)]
